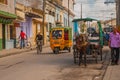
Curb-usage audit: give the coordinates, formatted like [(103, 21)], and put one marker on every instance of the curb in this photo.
[(106, 62), (19, 52), (13, 53)]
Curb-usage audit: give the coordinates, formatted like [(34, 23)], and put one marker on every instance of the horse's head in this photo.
[(81, 38)]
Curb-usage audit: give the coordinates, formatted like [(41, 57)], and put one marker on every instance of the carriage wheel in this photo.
[(96, 56), (101, 53), (80, 57), (69, 49), (74, 54), (85, 59), (56, 50)]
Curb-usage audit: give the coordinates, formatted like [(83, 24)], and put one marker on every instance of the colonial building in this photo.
[(57, 13), (68, 15), (31, 22), (50, 10), (111, 22), (7, 15)]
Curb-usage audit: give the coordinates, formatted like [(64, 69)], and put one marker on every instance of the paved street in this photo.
[(46, 66)]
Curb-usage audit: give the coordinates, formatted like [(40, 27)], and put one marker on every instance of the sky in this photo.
[(95, 9)]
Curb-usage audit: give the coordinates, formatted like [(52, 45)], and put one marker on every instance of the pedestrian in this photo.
[(22, 37), (107, 36), (114, 44)]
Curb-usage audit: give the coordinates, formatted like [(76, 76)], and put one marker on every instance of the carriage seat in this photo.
[(94, 41)]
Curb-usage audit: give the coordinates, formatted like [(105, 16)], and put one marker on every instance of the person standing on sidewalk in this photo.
[(114, 44), (22, 37)]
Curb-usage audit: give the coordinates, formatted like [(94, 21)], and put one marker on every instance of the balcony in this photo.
[(57, 3)]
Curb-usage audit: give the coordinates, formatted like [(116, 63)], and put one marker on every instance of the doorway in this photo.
[(3, 36)]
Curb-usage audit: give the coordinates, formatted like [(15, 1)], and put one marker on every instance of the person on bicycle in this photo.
[(22, 37), (39, 37)]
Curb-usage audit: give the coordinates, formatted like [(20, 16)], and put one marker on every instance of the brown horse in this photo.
[(81, 44)]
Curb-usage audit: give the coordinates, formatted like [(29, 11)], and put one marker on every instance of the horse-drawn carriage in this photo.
[(87, 42)]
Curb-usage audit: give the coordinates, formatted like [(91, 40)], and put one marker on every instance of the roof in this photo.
[(85, 19)]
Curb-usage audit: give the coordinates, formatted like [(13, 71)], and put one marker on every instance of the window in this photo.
[(60, 18), (3, 1), (57, 34), (66, 35), (50, 12), (64, 22), (57, 17), (53, 13)]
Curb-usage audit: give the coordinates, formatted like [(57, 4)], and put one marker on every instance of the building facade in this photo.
[(57, 14), (50, 10), (68, 16), (7, 16), (31, 20)]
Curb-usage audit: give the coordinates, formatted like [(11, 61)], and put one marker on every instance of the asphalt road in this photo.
[(47, 66)]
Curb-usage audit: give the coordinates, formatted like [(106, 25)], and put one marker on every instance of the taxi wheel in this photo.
[(56, 51), (69, 49)]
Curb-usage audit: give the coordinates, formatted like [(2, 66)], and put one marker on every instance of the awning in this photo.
[(5, 20), (7, 15)]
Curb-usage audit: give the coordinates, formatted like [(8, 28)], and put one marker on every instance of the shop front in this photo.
[(6, 20)]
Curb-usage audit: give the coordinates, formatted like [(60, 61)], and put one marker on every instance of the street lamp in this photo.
[(81, 10)]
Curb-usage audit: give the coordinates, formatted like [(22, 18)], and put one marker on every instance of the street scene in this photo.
[(49, 66), (59, 39)]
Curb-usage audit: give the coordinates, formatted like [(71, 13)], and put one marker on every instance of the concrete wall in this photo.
[(34, 24), (37, 26), (10, 7)]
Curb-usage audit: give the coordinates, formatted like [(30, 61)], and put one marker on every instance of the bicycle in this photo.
[(27, 44), (39, 46)]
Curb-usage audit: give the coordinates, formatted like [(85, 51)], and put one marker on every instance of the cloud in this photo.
[(95, 9)]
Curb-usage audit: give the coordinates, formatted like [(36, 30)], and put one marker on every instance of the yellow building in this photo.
[(30, 19), (37, 25)]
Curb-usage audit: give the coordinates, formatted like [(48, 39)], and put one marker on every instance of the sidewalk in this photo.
[(112, 72), (14, 51)]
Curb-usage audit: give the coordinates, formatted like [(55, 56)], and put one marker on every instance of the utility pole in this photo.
[(111, 18), (118, 12), (44, 4), (68, 14), (81, 11)]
